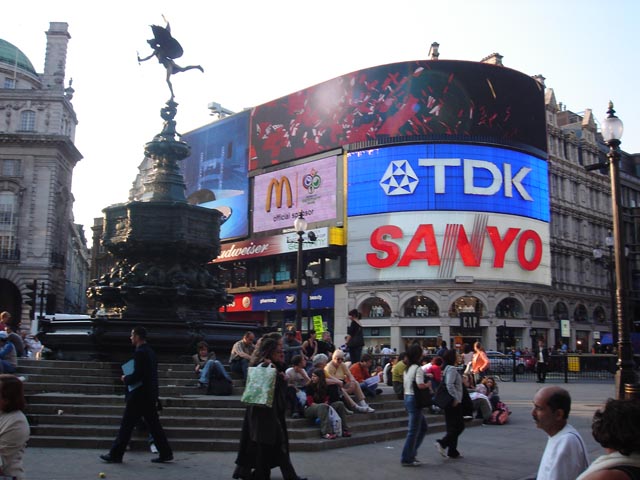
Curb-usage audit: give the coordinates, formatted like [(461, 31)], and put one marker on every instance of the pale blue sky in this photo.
[(255, 51)]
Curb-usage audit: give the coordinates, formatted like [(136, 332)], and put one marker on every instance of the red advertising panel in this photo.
[(426, 100)]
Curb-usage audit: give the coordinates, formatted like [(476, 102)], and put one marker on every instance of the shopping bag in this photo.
[(335, 421), (260, 386)]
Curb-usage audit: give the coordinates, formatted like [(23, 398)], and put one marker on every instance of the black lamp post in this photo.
[(610, 264), (612, 129), (300, 225)]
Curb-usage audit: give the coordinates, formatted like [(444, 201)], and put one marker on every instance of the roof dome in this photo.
[(11, 56)]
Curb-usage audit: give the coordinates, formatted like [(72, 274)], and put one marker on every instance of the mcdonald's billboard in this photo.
[(311, 188)]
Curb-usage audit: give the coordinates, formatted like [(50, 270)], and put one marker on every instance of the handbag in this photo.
[(423, 396), (260, 386), (442, 398)]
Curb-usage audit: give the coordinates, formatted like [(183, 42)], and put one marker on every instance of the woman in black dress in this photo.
[(264, 443)]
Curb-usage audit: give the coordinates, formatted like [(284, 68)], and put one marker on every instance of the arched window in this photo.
[(538, 310), (580, 313), (598, 315), (560, 311), (8, 226), (509, 308), (467, 305), (420, 306), (27, 121), (375, 307)]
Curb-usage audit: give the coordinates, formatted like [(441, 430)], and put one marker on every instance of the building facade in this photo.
[(514, 256), (38, 239)]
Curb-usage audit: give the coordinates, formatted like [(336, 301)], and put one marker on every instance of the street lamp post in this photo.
[(609, 265), (612, 132), (300, 225)]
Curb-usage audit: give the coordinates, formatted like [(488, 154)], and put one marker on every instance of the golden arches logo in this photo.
[(282, 186)]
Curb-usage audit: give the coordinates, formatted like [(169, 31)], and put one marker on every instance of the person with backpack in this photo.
[(207, 367), (453, 413)]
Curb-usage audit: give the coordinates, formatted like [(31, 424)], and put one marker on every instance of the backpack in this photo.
[(500, 415), (219, 385)]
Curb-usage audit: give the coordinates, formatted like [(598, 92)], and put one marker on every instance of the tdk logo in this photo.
[(400, 178)]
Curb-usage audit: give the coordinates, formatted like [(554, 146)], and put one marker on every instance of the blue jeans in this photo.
[(416, 431), (240, 366), (218, 370)]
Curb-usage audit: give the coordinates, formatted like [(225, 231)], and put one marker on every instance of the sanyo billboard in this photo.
[(442, 211)]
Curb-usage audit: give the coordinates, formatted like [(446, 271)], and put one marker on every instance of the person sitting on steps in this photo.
[(206, 365), (338, 370)]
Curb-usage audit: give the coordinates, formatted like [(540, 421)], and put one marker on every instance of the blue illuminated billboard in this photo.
[(447, 177), (215, 173)]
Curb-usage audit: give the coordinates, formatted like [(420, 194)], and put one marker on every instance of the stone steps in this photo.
[(80, 404)]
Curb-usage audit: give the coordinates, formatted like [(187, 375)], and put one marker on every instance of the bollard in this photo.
[(632, 391)]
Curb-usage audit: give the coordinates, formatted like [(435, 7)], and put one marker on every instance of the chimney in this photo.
[(540, 79), (56, 57), (433, 51), (493, 59)]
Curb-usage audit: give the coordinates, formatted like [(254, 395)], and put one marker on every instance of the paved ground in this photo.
[(507, 452)]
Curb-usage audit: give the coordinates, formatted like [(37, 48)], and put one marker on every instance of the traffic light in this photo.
[(501, 334), (32, 295)]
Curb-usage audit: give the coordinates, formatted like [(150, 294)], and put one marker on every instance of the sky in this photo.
[(254, 51)]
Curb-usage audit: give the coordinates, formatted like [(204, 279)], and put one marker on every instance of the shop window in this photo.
[(420, 306), (467, 304), (509, 308), (375, 307)]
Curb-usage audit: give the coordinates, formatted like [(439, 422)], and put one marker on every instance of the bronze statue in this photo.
[(166, 49)]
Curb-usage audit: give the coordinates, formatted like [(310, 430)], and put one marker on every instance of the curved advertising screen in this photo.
[(427, 100)]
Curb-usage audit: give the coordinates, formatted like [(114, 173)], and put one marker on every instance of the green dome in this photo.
[(11, 55)]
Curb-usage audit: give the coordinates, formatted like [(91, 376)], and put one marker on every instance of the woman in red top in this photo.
[(318, 401)]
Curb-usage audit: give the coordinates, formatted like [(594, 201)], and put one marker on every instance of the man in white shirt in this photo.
[(565, 455)]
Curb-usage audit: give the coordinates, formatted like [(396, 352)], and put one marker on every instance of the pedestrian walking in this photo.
[(142, 402), (453, 414), (417, 427)]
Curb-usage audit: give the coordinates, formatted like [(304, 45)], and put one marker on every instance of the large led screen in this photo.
[(448, 245), (279, 196), (216, 172), (454, 177), (423, 100)]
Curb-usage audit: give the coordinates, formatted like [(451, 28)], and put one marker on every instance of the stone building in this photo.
[(37, 157)]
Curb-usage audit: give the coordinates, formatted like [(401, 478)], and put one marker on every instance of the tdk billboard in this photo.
[(453, 177)]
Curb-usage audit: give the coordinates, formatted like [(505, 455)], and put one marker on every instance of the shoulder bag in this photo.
[(443, 398), (260, 386)]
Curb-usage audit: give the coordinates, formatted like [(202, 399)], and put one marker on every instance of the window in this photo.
[(8, 226), (10, 168), (28, 121), (9, 83)]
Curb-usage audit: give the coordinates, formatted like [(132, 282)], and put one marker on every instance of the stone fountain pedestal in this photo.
[(160, 281)]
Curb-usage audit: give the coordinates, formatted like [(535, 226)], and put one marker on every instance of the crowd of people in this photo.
[(315, 381)]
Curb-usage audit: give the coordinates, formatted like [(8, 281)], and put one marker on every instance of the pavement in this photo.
[(495, 452)]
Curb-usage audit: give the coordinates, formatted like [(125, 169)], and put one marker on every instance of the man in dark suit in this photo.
[(142, 402), (542, 361)]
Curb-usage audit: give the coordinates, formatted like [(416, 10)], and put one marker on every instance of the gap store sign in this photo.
[(446, 210)]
